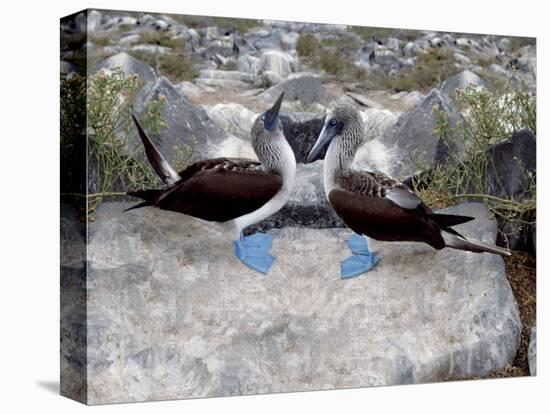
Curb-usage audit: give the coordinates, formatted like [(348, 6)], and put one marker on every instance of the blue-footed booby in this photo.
[(230, 193), (375, 205)]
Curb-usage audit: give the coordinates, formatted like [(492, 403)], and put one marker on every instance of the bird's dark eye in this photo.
[(263, 117), (333, 121)]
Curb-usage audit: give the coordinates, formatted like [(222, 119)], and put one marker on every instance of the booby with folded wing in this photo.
[(375, 205)]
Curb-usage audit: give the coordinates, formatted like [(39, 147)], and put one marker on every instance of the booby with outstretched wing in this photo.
[(230, 193)]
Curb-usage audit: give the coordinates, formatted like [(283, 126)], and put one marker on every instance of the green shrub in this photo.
[(489, 118), (161, 39), (335, 64), (229, 65), (345, 44), (486, 60), (368, 33), (431, 69), (100, 41), (518, 42), (240, 25), (226, 23), (177, 66), (108, 104), (307, 45), (334, 56), (331, 62)]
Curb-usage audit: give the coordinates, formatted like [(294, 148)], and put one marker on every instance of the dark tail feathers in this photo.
[(157, 161), (449, 220), (150, 196)]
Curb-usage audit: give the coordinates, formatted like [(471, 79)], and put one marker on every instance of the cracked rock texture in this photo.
[(173, 314)]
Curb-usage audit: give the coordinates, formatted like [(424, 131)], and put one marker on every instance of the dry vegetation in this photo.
[(107, 103), (489, 118), (430, 71), (332, 56)]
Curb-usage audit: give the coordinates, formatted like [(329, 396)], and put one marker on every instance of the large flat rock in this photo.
[(173, 314)]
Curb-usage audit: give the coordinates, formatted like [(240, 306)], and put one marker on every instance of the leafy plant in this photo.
[(307, 45), (177, 67), (226, 23), (107, 103), (368, 33), (431, 69), (488, 119)]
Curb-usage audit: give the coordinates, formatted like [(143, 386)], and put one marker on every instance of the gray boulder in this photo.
[(190, 134), (307, 205), (412, 49), (68, 67), (280, 63), (249, 64), (189, 89), (461, 81), (409, 100), (167, 296), (532, 352), (504, 44), (73, 353), (411, 144), (222, 83), (527, 60), (129, 65), (225, 74), (499, 70), (94, 20), (364, 101), (301, 130), (513, 163), (305, 88), (152, 49), (377, 122), (130, 39), (234, 118), (224, 79), (265, 40), (512, 166)]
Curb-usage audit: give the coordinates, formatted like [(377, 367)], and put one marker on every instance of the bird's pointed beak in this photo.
[(272, 115), (324, 138)]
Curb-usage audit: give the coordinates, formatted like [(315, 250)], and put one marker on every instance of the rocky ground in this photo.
[(171, 313), (214, 75)]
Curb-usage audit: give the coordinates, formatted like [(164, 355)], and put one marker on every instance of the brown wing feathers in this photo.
[(381, 219), (218, 189), (385, 209), (220, 194)]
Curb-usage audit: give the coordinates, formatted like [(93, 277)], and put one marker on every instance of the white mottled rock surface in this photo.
[(173, 314), (233, 117), (532, 352)]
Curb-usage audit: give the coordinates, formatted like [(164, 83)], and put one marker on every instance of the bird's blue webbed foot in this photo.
[(362, 259), (253, 251)]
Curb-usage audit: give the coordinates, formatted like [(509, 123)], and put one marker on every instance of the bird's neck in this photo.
[(339, 157), (277, 156)]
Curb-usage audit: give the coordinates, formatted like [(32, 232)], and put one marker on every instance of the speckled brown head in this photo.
[(344, 124)]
